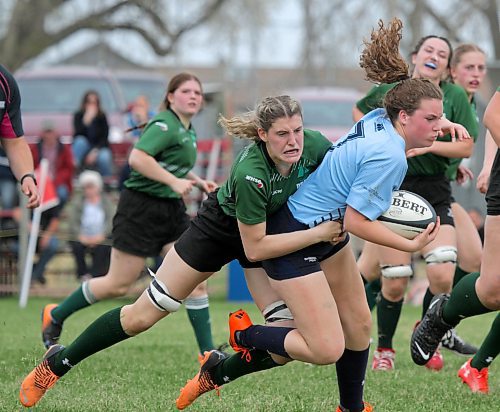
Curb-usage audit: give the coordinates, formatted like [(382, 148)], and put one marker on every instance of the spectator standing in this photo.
[(90, 139), (60, 159), (91, 223)]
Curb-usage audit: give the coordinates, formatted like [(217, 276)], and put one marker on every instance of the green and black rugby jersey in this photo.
[(456, 108), (255, 189), (451, 172), (173, 147)]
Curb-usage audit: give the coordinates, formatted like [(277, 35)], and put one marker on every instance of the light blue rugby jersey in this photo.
[(360, 170)]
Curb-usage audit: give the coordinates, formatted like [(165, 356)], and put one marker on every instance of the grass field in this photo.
[(145, 373)]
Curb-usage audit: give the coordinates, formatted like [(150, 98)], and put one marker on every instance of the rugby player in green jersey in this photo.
[(261, 179), (476, 293), (151, 213)]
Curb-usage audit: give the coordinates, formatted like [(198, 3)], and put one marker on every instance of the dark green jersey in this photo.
[(451, 172), (456, 108), (255, 189), (173, 147)]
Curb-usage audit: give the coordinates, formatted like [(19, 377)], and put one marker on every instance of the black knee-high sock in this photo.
[(459, 274), (351, 370), (372, 290), (266, 338), (427, 301), (388, 314)]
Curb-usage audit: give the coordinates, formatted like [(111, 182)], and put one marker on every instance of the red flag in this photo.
[(49, 195)]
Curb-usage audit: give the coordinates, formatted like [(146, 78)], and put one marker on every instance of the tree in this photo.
[(31, 27), (333, 30)]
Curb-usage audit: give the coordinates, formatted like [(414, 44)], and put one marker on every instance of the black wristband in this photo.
[(32, 175)]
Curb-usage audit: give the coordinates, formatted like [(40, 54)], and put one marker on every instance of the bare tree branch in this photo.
[(28, 34)]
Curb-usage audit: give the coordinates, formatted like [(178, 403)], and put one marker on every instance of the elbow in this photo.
[(253, 255), (133, 159)]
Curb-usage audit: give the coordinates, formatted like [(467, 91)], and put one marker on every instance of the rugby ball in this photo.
[(408, 215)]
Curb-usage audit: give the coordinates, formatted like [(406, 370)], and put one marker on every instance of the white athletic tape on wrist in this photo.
[(277, 312), (159, 297), (441, 254), (399, 271)]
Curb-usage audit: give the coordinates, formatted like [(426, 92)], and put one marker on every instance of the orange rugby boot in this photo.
[(202, 382), (39, 379), (239, 321)]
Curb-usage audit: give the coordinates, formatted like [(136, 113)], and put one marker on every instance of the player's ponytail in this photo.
[(380, 58), (384, 64)]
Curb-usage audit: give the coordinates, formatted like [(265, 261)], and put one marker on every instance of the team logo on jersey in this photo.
[(162, 126), (255, 180)]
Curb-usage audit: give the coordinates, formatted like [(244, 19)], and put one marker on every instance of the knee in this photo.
[(470, 263), (365, 326), (490, 296), (105, 155), (394, 289), (134, 321), (327, 353), (116, 291), (393, 294), (441, 282)]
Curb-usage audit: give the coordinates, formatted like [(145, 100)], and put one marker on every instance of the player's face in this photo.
[(470, 71), (431, 60), (186, 99), (422, 127), (285, 140)]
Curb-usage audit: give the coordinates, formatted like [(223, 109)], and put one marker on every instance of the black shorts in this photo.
[(212, 239), (493, 193), (302, 262), (436, 190), (143, 224)]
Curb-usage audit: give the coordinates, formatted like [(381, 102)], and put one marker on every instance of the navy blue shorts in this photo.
[(299, 263)]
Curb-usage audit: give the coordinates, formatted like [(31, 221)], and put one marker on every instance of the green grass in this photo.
[(146, 372)]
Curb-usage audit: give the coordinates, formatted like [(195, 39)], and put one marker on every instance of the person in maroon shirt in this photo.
[(60, 157), (12, 137)]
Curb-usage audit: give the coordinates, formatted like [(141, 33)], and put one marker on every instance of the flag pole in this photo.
[(35, 228)]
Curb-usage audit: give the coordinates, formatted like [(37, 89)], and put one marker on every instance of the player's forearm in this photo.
[(19, 155), (461, 149), (271, 246)]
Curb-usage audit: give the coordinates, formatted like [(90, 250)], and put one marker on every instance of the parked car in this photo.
[(327, 109), (55, 93)]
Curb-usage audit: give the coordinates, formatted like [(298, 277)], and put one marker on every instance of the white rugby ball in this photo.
[(408, 215)]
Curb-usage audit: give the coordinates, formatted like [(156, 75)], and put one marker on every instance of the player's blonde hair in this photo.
[(263, 116), (384, 64)]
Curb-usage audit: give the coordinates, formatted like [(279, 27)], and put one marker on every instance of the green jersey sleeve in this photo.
[(251, 194), (375, 98), (156, 137)]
